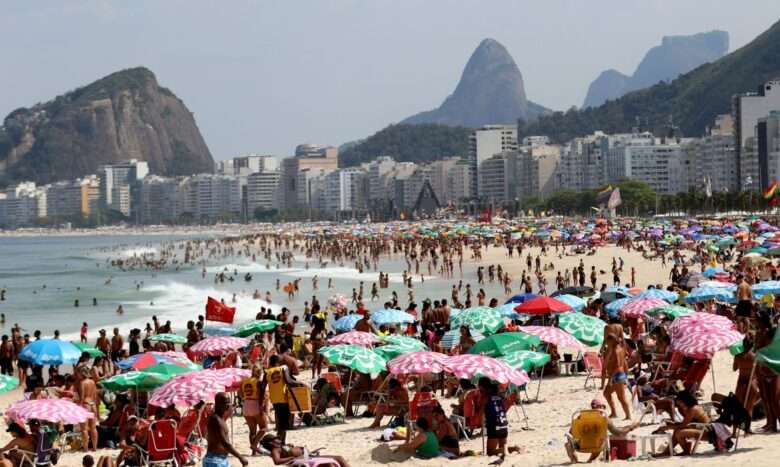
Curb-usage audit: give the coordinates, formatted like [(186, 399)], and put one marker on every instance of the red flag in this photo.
[(218, 311)]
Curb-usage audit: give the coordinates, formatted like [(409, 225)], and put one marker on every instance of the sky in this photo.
[(264, 76)]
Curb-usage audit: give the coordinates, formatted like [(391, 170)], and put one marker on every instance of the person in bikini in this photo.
[(617, 373)]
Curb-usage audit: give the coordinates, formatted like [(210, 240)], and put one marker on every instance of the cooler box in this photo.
[(625, 448)]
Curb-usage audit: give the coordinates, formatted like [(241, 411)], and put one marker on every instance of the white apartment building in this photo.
[(768, 144), (583, 163), (486, 142), (307, 156), (535, 170), (21, 205), (459, 182), (248, 164), (663, 164), (497, 177), (160, 200), (747, 109), (261, 189), (117, 182), (208, 196), (72, 197), (714, 158), (344, 190)]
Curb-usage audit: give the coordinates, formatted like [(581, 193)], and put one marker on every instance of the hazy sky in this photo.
[(263, 76)]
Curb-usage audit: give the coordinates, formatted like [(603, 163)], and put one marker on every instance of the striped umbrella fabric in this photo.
[(636, 307), (346, 323), (219, 345), (483, 319), (254, 327), (543, 305), (399, 345), (705, 344), (50, 352), (190, 388), (671, 311), (587, 329), (8, 383), (469, 366), (766, 287), (138, 380), (148, 359), (703, 294), (417, 363), (553, 335), (355, 357), (504, 343), (658, 293), (613, 308), (390, 316), (700, 323), (526, 360), (575, 302), (49, 410), (171, 338), (354, 337), (451, 338)]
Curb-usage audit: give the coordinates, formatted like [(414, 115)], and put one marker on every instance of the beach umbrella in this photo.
[(636, 307), (92, 351), (504, 343), (391, 316), (355, 358), (711, 271), (346, 323), (692, 280), (144, 360), (451, 338), (700, 323), (8, 383), (483, 319), (470, 366), (614, 293), (769, 356), (703, 294), (417, 363), (521, 298), (190, 388), (754, 260), (398, 345), (507, 310), (704, 344), (169, 338), (354, 337), (170, 369), (613, 308), (553, 335), (671, 311), (50, 352), (526, 360), (254, 327), (584, 291), (49, 410), (219, 345), (659, 294), (765, 288), (219, 330), (575, 302), (542, 306), (138, 380), (587, 329)]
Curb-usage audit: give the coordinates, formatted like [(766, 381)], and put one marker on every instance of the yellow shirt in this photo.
[(249, 389), (277, 387)]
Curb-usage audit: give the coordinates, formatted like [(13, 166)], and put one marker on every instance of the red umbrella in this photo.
[(542, 306)]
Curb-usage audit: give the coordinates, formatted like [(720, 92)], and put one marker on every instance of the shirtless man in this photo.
[(219, 446), (744, 304), (364, 325), (117, 343), (617, 373), (87, 392)]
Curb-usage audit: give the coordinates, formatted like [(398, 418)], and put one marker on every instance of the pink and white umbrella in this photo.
[(470, 365), (553, 335), (50, 410), (700, 323), (190, 388), (705, 344), (354, 337), (219, 345), (637, 308), (418, 363)]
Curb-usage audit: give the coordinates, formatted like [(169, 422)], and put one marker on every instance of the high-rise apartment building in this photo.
[(118, 184), (307, 156), (747, 109), (486, 142)]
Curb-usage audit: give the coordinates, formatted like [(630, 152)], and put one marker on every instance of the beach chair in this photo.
[(593, 366), (160, 445), (421, 406), (44, 450), (666, 369), (334, 379), (589, 432), (472, 418)]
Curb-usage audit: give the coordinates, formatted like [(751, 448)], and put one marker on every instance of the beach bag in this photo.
[(397, 421)]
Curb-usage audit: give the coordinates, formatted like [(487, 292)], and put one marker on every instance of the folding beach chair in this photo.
[(160, 444), (472, 418), (593, 366), (589, 432)]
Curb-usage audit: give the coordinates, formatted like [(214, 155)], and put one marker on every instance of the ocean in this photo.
[(45, 275)]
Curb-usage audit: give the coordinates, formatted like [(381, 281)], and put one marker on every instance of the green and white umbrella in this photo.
[(92, 351), (672, 311), (585, 328), (526, 359), (484, 319), (260, 325), (505, 343), (172, 338), (138, 380), (355, 358), (172, 369), (399, 345), (8, 383)]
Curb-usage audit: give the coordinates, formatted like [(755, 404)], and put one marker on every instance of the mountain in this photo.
[(408, 143), (675, 56), (490, 90), (691, 101), (126, 115)]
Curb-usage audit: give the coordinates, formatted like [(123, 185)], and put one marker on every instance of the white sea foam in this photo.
[(243, 268), (138, 251), (349, 273)]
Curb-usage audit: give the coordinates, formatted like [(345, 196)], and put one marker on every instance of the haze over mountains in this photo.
[(490, 90), (675, 56)]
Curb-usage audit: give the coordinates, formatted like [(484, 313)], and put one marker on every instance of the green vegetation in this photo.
[(409, 143), (691, 101)]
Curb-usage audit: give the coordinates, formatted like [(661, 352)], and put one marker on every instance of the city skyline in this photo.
[(258, 82)]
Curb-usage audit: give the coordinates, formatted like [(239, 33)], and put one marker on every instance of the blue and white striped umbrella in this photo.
[(219, 330), (390, 316), (50, 352), (702, 294), (709, 272), (346, 323), (766, 287), (658, 293), (451, 338), (613, 308), (507, 310), (573, 301)]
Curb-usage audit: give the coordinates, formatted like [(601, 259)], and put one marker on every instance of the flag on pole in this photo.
[(218, 311), (771, 190), (614, 199)]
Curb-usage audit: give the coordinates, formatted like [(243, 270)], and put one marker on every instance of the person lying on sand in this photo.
[(283, 454)]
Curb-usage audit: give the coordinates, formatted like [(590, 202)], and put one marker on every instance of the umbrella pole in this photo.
[(539, 386), (346, 401), (712, 370)]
